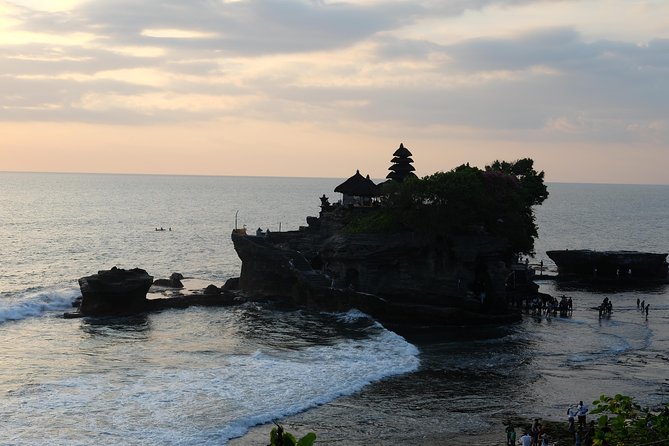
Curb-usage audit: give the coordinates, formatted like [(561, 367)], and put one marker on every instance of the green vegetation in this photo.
[(623, 422), (279, 437), (498, 201)]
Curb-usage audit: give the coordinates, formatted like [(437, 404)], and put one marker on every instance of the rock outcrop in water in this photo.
[(400, 278), (113, 291), (123, 292), (173, 282), (622, 265), (432, 251)]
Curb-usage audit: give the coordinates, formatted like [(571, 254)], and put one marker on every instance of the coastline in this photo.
[(358, 420), (364, 425)]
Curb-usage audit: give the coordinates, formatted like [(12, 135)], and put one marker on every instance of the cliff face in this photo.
[(323, 265)]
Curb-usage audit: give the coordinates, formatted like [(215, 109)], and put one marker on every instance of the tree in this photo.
[(624, 422), (465, 200), (531, 181)]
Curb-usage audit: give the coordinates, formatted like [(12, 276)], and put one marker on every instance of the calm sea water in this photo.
[(206, 376)]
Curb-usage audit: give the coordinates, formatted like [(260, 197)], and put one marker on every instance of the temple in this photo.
[(358, 190), (397, 275), (402, 165)]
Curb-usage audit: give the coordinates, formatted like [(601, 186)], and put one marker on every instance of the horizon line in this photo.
[(603, 183)]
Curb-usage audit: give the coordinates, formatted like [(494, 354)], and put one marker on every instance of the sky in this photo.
[(320, 88)]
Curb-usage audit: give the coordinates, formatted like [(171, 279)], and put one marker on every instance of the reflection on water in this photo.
[(126, 327)]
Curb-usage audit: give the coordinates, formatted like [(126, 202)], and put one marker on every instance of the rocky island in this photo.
[(423, 252), (122, 292), (621, 265)]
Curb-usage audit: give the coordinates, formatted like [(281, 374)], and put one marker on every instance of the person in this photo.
[(526, 439), (534, 431), (581, 410), (647, 307), (544, 440), (510, 435), (571, 418), (637, 303), (258, 232)]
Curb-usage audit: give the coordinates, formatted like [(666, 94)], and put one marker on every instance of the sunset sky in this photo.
[(320, 88)]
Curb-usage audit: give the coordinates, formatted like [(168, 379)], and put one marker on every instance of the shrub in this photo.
[(279, 437), (623, 422)]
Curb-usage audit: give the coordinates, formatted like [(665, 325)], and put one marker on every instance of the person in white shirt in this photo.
[(581, 410)]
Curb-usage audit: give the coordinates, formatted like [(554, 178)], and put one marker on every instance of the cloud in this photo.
[(330, 62)]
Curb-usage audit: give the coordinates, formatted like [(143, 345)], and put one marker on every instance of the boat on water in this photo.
[(610, 264)]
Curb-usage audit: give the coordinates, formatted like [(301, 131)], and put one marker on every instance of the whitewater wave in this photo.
[(36, 303), (209, 401)]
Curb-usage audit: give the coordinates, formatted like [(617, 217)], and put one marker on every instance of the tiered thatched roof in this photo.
[(401, 167)]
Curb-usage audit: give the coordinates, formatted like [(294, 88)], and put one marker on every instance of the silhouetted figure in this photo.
[(581, 411)]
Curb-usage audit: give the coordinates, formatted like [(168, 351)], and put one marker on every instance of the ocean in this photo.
[(217, 376)]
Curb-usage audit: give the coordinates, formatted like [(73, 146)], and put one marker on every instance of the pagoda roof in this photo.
[(402, 168), (402, 152), (399, 159), (400, 176), (358, 186)]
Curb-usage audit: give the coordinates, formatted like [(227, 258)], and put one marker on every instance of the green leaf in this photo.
[(307, 440), (602, 421), (289, 439)]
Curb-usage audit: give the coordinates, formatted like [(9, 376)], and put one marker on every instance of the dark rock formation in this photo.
[(231, 284), (400, 278), (211, 290), (114, 291), (123, 292), (173, 282), (629, 265), (202, 300)]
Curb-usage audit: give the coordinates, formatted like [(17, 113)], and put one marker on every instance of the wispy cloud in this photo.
[(381, 62)]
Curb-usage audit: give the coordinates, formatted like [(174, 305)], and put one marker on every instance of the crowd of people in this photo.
[(642, 306), (550, 306), (606, 308), (581, 432)]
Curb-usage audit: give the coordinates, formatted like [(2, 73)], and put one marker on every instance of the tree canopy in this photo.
[(497, 200)]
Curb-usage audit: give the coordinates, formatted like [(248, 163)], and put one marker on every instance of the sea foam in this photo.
[(36, 303), (208, 402)]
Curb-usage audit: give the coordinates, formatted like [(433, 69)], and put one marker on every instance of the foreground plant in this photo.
[(279, 437), (623, 422)]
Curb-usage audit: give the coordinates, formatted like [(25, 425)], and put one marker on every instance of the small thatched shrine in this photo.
[(358, 190)]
